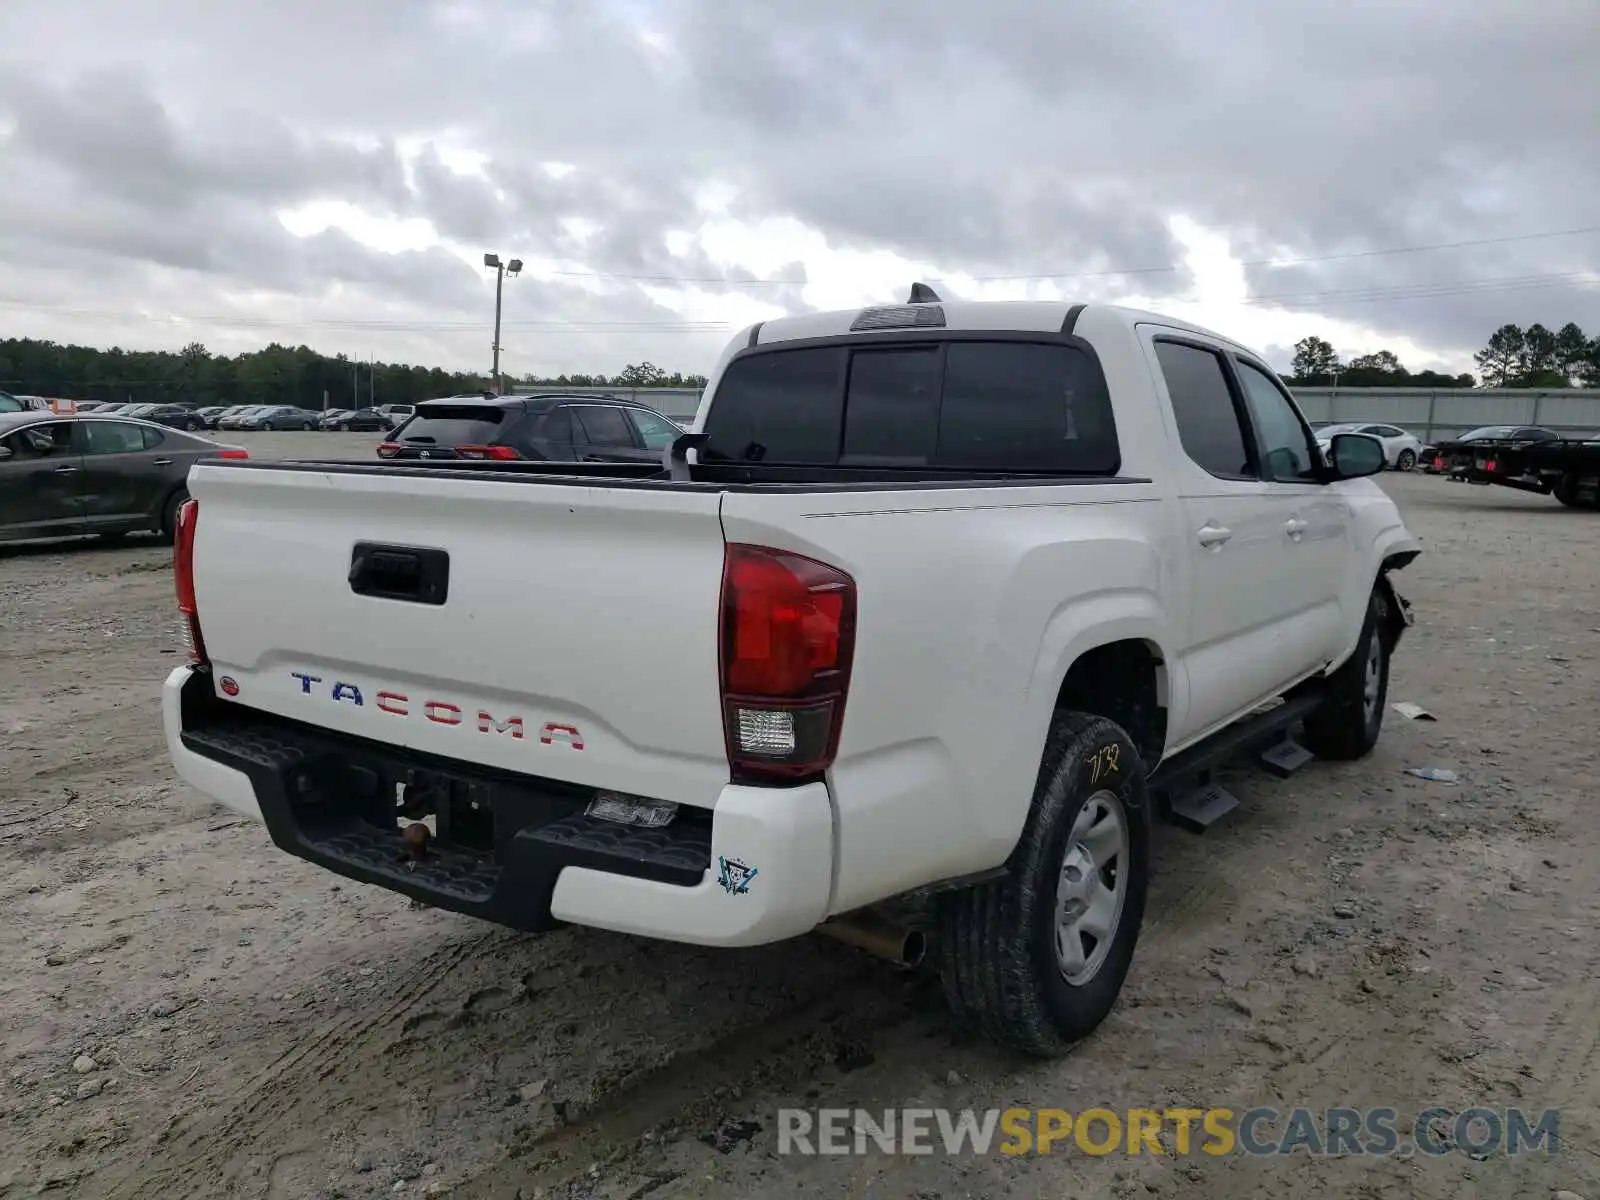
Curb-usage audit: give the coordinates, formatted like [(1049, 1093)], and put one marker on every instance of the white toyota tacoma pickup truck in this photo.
[(935, 610)]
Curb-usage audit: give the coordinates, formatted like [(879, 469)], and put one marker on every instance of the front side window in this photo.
[(656, 432), (1285, 446), (40, 441)]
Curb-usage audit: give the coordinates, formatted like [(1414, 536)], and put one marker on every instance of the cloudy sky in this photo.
[(332, 171)]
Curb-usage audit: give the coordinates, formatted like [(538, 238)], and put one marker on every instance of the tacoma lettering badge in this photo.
[(400, 704)]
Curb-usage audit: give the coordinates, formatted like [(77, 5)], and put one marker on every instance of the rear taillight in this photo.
[(788, 638), (1489, 466), (1439, 462), (496, 453), (233, 452), (183, 573), (388, 449)]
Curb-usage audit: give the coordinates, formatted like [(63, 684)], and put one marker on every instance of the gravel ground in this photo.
[(190, 1012)]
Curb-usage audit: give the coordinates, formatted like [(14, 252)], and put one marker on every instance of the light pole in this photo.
[(501, 270)]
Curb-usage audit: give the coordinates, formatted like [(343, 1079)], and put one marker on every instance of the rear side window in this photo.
[(1025, 406), (111, 437), (557, 426), (605, 426), (452, 425), (958, 404), (1208, 423)]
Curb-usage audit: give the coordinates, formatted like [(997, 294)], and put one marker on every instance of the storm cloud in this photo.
[(669, 168)]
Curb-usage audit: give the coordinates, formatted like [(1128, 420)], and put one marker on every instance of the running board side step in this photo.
[(1183, 786)]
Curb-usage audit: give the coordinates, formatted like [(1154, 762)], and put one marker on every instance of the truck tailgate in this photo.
[(577, 638)]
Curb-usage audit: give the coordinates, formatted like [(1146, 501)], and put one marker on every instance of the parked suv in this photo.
[(550, 428)]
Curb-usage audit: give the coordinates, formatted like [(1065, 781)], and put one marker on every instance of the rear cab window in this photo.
[(452, 425), (960, 403)]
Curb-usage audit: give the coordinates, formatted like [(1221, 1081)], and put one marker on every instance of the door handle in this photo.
[(1294, 527), (162, 462), (1213, 535), (66, 470)]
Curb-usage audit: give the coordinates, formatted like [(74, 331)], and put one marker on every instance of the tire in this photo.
[(1347, 725), (1000, 960), (169, 514), (1405, 460)]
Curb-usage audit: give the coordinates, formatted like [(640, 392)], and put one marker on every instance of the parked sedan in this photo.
[(177, 416), (67, 475), (369, 419), (233, 418), (1401, 450), (210, 413), (278, 416)]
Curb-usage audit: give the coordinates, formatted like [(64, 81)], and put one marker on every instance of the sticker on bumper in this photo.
[(734, 876)]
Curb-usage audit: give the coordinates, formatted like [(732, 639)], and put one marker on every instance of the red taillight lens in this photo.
[(495, 453), (1439, 462), (183, 574), (388, 449), (1489, 466), (233, 453), (788, 638)]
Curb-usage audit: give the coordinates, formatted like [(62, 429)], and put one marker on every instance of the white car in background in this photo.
[(1400, 449)]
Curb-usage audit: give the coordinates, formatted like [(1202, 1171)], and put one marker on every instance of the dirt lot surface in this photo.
[(190, 1012)]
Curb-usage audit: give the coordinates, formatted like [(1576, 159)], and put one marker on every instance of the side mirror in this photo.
[(1354, 455), (5, 453)]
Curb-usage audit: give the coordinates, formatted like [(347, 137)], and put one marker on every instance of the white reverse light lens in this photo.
[(631, 810), (766, 731)]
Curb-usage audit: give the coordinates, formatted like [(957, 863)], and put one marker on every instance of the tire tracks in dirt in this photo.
[(192, 1154)]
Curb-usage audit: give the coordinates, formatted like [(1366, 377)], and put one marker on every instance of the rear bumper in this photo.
[(512, 849)]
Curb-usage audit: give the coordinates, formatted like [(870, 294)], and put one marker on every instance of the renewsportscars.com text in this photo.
[(1260, 1131)]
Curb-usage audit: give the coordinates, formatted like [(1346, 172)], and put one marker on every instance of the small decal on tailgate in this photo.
[(734, 876)]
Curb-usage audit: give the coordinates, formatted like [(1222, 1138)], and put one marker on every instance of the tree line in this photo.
[(1514, 357), (278, 374)]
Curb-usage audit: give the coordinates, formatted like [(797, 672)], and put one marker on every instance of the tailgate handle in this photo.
[(410, 573)]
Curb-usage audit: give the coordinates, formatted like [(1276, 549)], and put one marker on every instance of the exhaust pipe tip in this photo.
[(915, 949), (906, 947)]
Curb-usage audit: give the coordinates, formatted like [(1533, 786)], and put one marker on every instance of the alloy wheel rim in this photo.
[(1092, 888)]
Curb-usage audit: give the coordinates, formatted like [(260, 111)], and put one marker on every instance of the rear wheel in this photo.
[(169, 514), (1348, 723), (1036, 958), (1406, 461)]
